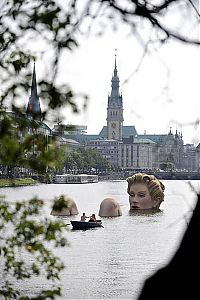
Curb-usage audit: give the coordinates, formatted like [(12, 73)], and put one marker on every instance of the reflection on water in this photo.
[(113, 262)]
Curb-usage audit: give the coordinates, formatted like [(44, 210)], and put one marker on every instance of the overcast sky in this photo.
[(159, 93), (163, 92)]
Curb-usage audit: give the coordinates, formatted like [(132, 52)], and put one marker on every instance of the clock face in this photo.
[(113, 125)]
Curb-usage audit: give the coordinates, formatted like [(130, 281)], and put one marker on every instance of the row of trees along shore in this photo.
[(86, 160)]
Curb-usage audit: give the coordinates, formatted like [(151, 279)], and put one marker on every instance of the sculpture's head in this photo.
[(64, 206), (109, 207), (145, 191)]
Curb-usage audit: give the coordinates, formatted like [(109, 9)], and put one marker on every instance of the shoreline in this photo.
[(16, 182)]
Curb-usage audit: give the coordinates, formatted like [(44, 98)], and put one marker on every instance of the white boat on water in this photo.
[(72, 178)]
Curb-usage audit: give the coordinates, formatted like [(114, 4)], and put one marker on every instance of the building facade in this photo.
[(191, 157), (135, 153), (124, 148), (167, 151), (109, 149)]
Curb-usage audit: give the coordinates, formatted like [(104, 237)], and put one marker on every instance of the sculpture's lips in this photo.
[(135, 207)]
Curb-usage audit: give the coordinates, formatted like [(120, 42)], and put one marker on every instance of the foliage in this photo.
[(17, 182), (22, 144), (167, 166), (86, 159), (30, 235), (60, 203)]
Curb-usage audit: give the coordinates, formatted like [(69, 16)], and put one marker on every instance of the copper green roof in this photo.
[(161, 138), (126, 131), (82, 138), (157, 138), (143, 141)]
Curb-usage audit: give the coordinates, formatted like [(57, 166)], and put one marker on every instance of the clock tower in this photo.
[(115, 109)]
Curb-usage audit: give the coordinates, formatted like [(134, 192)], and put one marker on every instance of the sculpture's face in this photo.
[(109, 208), (140, 198)]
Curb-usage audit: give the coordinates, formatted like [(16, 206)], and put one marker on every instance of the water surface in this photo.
[(113, 262)]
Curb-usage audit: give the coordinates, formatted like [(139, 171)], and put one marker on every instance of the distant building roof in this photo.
[(70, 129), (163, 139), (143, 141), (133, 140), (82, 138), (43, 125), (30, 122), (70, 141), (67, 141), (198, 147), (126, 131), (157, 138)]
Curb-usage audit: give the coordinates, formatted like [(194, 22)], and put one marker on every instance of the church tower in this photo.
[(115, 109), (33, 108)]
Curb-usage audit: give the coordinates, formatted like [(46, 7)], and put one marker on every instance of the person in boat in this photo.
[(83, 217), (145, 192), (92, 218), (109, 207)]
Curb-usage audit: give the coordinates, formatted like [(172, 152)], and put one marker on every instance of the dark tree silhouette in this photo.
[(179, 279)]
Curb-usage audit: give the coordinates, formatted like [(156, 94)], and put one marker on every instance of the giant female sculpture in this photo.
[(145, 191)]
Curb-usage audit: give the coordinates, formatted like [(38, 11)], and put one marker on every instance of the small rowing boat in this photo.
[(86, 225)]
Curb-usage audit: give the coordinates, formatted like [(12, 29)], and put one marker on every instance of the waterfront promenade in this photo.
[(160, 175), (120, 175)]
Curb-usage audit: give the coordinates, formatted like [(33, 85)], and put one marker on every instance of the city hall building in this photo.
[(123, 147)]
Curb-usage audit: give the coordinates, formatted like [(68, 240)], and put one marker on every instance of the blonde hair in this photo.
[(156, 187)]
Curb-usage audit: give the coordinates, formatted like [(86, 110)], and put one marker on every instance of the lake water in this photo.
[(113, 262)]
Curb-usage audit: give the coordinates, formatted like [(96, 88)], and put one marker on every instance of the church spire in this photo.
[(33, 108), (115, 69), (34, 84), (115, 97)]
